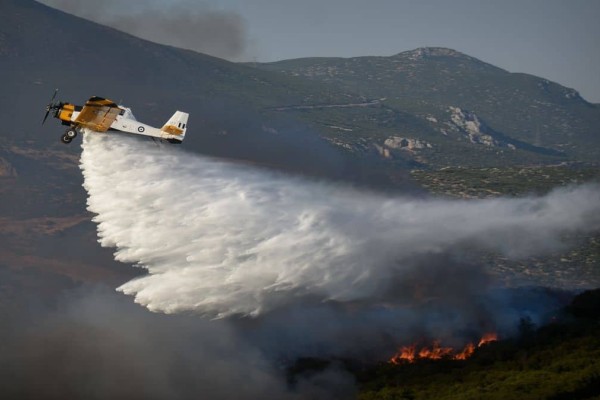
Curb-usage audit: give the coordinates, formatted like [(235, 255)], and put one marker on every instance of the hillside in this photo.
[(557, 361), (455, 100)]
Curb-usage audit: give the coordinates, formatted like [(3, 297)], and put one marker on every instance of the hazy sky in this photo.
[(556, 39)]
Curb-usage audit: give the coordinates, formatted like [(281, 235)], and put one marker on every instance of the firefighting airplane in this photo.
[(101, 115)]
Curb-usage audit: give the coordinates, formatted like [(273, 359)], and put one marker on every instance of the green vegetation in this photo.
[(511, 181), (558, 361)]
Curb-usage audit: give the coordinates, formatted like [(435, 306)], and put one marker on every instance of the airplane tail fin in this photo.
[(176, 126)]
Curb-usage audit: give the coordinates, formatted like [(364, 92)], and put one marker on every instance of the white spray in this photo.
[(219, 238)]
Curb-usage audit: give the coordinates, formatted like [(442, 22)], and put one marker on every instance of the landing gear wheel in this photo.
[(71, 133), (65, 139)]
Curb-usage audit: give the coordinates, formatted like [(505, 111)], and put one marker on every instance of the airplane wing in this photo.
[(98, 114)]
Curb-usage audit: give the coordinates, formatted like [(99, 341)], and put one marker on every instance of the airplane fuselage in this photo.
[(124, 121), (101, 115)]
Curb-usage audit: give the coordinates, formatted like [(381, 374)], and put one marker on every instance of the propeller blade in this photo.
[(45, 117), (50, 106), (54, 95)]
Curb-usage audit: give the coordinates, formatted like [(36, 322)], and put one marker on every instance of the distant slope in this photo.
[(442, 85)]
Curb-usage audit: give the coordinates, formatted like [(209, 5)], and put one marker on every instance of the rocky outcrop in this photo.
[(402, 143), (469, 124)]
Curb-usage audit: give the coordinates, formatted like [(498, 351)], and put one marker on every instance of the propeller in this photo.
[(51, 106)]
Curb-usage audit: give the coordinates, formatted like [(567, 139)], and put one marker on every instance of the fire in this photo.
[(406, 353), (487, 338), (437, 352), (465, 353)]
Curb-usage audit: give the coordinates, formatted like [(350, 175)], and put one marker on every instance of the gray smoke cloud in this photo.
[(220, 239), (95, 344), (183, 23), (92, 342)]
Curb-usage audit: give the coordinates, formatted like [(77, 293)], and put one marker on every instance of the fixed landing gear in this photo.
[(68, 136)]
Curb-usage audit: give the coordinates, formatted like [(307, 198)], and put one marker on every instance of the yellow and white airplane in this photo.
[(102, 115)]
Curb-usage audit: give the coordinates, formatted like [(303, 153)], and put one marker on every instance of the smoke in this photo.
[(92, 342), (95, 344), (183, 23), (220, 239)]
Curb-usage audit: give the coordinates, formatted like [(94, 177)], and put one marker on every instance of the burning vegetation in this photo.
[(409, 354)]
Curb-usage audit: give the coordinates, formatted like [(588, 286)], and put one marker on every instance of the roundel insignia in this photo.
[(141, 129)]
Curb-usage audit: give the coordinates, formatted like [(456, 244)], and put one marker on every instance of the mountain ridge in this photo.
[(430, 82)]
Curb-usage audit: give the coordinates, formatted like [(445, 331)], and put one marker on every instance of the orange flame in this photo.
[(466, 352), (437, 352), (406, 353), (487, 338)]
